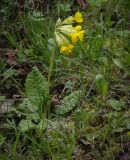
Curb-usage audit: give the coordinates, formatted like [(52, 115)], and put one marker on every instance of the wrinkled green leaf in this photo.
[(28, 106), (26, 125), (42, 125), (9, 73), (118, 63), (36, 89), (68, 103), (116, 104)]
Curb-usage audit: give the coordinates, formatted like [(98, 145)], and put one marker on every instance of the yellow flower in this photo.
[(63, 49), (77, 36), (66, 49), (64, 31), (78, 28), (74, 37), (81, 34), (70, 46), (78, 17)]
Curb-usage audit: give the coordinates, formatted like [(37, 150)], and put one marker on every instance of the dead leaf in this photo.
[(125, 156), (11, 57), (82, 4), (6, 106), (55, 100)]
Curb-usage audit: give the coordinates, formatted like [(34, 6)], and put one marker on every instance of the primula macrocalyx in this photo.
[(66, 49), (78, 17), (66, 35)]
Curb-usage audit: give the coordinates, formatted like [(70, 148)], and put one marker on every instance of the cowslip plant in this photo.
[(66, 34)]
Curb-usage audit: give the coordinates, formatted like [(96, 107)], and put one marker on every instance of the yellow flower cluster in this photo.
[(66, 35), (78, 35), (66, 49)]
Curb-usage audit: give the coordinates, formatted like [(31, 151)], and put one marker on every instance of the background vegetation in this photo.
[(64, 107)]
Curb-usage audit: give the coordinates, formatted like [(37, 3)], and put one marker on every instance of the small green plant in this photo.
[(35, 104), (102, 85)]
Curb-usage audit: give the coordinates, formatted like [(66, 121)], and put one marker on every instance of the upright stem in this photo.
[(51, 67), (50, 72)]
